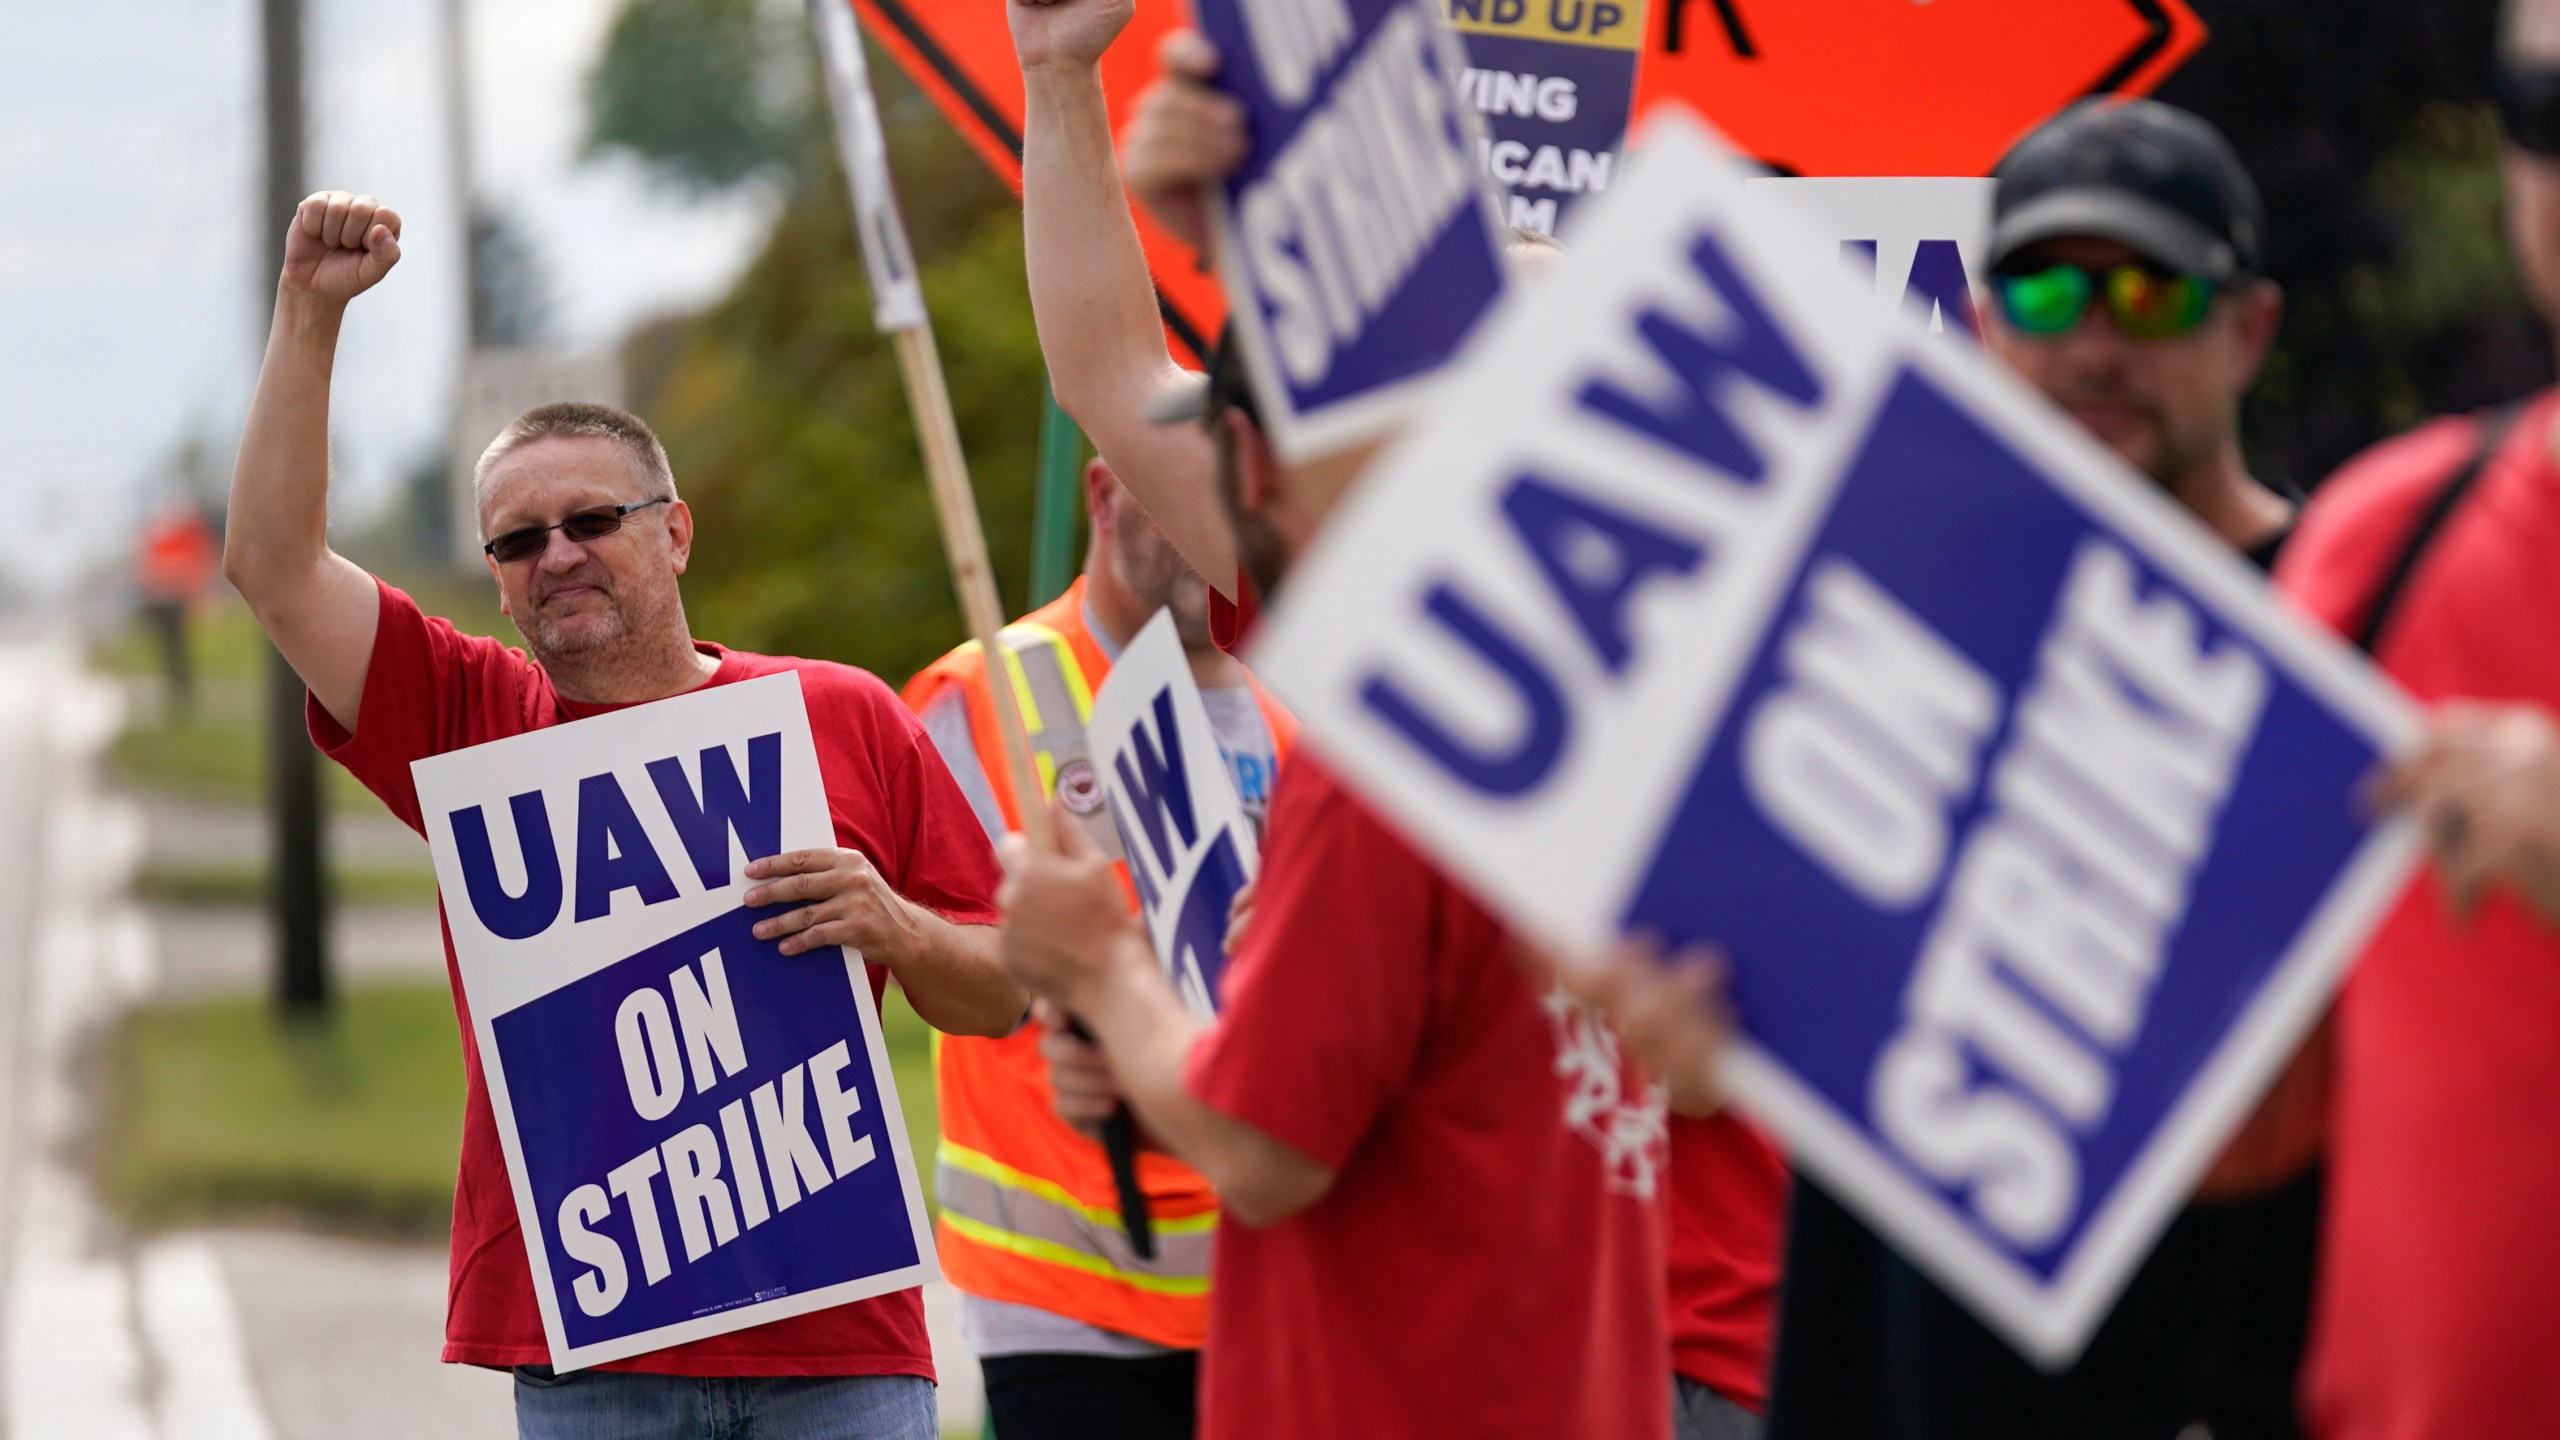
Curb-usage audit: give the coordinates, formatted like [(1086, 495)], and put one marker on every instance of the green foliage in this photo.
[(219, 750), (510, 292), (2366, 124), (685, 86), (910, 1043), (244, 883), (787, 420), (219, 1110)]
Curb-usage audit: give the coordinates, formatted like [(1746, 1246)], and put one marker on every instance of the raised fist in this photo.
[(339, 245), (1066, 32)]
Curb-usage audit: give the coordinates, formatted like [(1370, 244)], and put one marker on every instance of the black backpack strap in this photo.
[(2494, 426)]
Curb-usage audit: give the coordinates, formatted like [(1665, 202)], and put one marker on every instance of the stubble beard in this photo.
[(1260, 551), (1160, 578), (606, 647)]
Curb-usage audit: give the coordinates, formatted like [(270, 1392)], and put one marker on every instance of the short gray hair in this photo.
[(578, 420)]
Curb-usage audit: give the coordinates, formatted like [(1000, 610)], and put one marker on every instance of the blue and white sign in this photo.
[(702, 1133), (1183, 830), (1359, 244), (1553, 82), (1915, 242), (1716, 602)]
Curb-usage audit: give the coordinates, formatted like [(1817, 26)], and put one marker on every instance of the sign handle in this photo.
[(899, 312), (955, 504)]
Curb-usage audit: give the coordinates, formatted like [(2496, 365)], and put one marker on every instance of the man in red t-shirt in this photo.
[(1440, 1180), (1101, 332), (2439, 1296), (589, 539)]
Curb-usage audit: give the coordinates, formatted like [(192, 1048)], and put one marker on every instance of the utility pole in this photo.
[(458, 164), (300, 889)]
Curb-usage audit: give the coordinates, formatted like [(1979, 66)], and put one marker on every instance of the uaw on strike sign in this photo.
[(1189, 845), (1718, 602), (702, 1132), (1359, 243)]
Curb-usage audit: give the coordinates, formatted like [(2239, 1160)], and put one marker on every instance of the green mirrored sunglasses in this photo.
[(2145, 303)]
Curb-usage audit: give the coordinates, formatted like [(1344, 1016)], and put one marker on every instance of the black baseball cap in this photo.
[(2146, 175)]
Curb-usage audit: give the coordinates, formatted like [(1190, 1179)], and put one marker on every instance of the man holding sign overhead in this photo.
[(1077, 1334), (587, 540), (1440, 1182)]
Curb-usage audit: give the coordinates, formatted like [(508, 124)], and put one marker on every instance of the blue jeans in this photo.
[(609, 1405)]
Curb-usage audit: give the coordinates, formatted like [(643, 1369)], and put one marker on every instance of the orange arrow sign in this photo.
[(1902, 87), (1820, 87), (961, 53)]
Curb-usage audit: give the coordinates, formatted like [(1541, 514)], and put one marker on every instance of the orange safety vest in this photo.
[(1029, 1214)]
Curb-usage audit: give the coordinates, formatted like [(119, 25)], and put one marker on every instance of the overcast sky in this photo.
[(132, 301)]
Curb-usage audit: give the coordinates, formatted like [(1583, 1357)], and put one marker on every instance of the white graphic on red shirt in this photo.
[(1632, 1136)]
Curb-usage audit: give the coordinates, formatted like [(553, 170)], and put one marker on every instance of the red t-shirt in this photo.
[(1728, 1204), (1489, 1261), (2438, 1307), (430, 689)]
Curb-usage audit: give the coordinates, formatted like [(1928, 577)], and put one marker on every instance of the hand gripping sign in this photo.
[(1189, 846), (1358, 244), (702, 1133), (1716, 603)]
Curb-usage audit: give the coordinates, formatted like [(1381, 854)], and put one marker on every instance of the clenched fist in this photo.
[(1067, 924), (339, 246), (1066, 33)]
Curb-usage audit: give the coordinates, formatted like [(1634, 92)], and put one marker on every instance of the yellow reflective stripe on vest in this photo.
[(1078, 690), (1056, 698), (994, 1239), (991, 1204), (988, 1167)]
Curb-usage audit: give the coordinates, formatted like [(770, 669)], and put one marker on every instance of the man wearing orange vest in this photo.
[(1076, 1334)]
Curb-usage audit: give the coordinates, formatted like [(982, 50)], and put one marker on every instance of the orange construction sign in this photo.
[(1814, 87), (1901, 87), (961, 53)]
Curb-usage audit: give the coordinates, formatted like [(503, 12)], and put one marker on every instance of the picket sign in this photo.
[(1553, 84), (1715, 601), (1359, 244), (1189, 845), (1913, 242), (702, 1133)]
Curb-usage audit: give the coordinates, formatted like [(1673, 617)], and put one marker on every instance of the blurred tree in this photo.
[(705, 92), (2367, 124), (511, 295), (782, 410)]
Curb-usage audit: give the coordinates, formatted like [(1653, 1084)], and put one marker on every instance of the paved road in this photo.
[(245, 1335), (178, 1337)]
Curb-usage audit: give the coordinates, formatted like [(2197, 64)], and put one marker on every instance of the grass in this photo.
[(245, 883), (910, 1043), (219, 751), (220, 1113)]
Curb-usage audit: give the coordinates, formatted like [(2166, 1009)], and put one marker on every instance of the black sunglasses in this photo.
[(2529, 105), (582, 527)]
